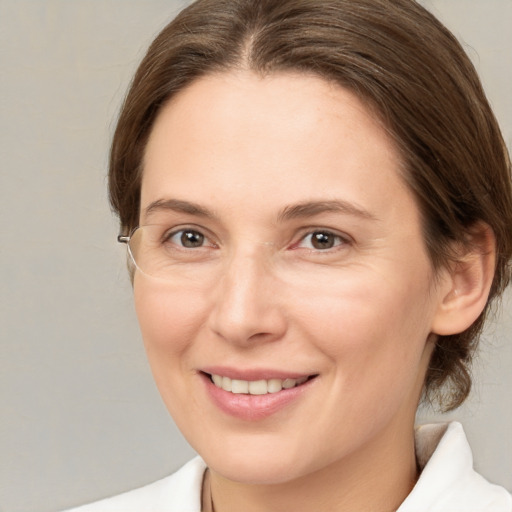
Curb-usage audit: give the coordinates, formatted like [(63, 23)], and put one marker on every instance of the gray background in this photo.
[(80, 416)]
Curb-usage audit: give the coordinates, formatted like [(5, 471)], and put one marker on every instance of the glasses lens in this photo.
[(148, 252)]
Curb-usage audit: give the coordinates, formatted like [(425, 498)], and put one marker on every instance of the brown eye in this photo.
[(321, 240), (186, 238), (191, 239)]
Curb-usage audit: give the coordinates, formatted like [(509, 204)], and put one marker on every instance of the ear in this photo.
[(465, 283)]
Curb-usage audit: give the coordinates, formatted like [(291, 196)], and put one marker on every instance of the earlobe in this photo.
[(466, 283)]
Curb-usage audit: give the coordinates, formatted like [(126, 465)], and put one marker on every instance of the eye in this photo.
[(321, 240), (187, 238)]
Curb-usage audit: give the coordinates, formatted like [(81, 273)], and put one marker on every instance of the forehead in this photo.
[(286, 105), (236, 135)]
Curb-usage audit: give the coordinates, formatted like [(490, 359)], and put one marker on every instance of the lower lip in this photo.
[(253, 407)]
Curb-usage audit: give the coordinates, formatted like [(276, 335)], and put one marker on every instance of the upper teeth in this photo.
[(255, 387)]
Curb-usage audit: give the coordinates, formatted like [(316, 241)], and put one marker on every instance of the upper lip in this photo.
[(252, 374)]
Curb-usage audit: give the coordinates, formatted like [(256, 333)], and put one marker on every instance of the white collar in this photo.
[(448, 482)]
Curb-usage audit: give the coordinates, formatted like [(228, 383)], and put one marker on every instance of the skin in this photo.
[(361, 315)]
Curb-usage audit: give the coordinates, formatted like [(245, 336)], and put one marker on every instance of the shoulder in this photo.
[(179, 492), (448, 481)]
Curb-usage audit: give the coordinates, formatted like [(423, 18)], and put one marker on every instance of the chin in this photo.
[(259, 460), (245, 470)]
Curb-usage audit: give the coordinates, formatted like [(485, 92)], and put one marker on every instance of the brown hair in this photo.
[(402, 62)]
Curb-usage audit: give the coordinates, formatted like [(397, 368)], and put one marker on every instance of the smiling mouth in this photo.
[(256, 387)]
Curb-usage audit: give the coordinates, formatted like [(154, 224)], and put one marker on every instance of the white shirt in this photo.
[(448, 482)]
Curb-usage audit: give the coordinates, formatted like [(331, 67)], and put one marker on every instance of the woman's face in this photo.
[(295, 254)]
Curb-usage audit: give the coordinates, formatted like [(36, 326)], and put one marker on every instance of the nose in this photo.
[(246, 302)]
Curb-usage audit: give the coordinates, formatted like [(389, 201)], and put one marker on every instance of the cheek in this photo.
[(372, 328), (169, 320), (168, 317)]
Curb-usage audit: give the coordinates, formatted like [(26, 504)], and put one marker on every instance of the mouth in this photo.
[(261, 395), (256, 387)]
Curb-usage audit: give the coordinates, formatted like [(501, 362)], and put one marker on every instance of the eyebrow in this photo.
[(290, 212), (177, 205), (312, 208)]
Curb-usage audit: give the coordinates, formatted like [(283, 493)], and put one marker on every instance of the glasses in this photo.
[(185, 255)]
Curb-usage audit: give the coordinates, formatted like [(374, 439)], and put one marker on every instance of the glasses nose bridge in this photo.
[(244, 302), (246, 274), (251, 255)]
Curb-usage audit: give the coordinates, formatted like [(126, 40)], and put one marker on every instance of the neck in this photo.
[(377, 478)]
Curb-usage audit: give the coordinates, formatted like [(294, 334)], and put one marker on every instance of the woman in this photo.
[(317, 202)]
